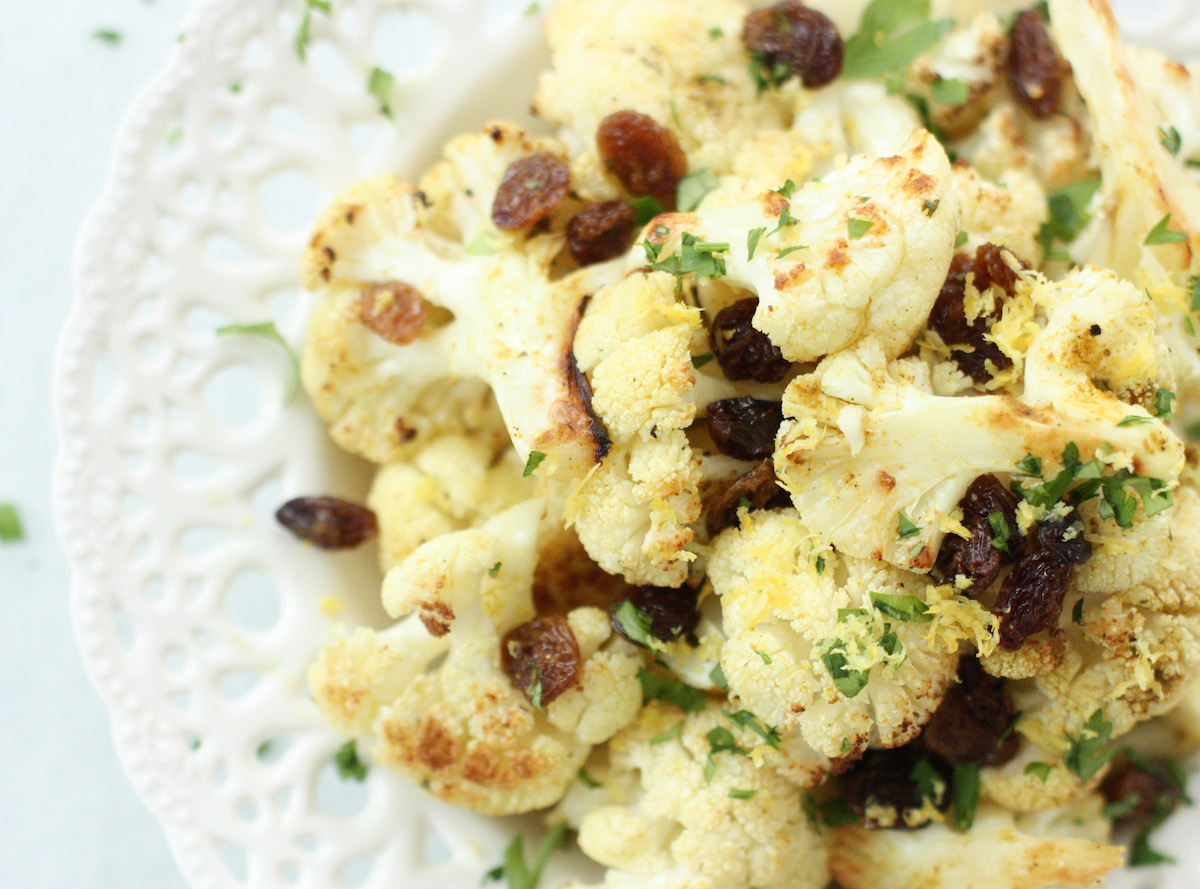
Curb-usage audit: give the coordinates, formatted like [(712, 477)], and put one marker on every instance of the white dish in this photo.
[(195, 614)]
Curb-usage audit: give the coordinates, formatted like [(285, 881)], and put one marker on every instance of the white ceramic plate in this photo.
[(196, 615)]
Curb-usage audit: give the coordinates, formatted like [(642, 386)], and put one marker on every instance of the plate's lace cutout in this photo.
[(196, 615)]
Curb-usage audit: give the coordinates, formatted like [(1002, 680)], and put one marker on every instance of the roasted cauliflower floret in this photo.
[(676, 812), (415, 325), (1008, 215), (852, 117), (1067, 847), (857, 454), (461, 728), (452, 483), (878, 237), (680, 62), (832, 648), (634, 510)]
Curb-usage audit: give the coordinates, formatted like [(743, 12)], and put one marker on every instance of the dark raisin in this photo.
[(1035, 69), (644, 156), (807, 42), (531, 190), (1031, 597), (883, 781), (972, 723), (758, 489), (394, 310), (672, 612), (328, 522), (981, 557), (1144, 792), (601, 232), (992, 269), (1051, 534), (949, 319), (744, 352), (745, 428), (542, 652)]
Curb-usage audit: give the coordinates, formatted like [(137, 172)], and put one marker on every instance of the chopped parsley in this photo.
[(672, 691), (486, 243), (1000, 530), (960, 239), (698, 361), (1164, 404), (930, 207), (302, 32), (820, 564), (494, 571), (534, 461), (766, 658), (108, 37), (848, 682), (694, 187), (752, 239), (788, 251), (268, 330), (891, 34), (379, 85), (1134, 420), (1162, 233), (1068, 214), (701, 259), (349, 766), (836, 813), (901, 607), (856, 228), (516, 871), (767, 76), (668, 735), (950, 91), (646, 208), (11, 530), (930, 784), (716, 32), (636, 625), (1077, 612), (263, 750), (1041, 770), (712, 78), (747, 720), (965, 795), (588, 781), (1170, 139), (717, 675), (1085, 754), (905, 527), (787, 189), (721, 740), (742, 794), (531, 10)]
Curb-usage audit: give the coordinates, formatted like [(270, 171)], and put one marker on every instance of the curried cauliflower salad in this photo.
[(783, 464)]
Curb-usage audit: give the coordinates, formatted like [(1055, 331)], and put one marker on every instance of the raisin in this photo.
[(1052, 534), (1148, 788), (531, 190), (978, 557), (807, 42), (992, 269), (328, 522), (744, 428), (744, 352), (672, 612), (758, 488), (949, 319), (1031, 597), (972, 723), (601, 232), (883, 781), (1035, 69), (542, 652), (644, 156), (394, 310)]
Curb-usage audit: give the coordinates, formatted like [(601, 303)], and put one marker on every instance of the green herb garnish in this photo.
[(349, 766), (268, 330), (11, 530), (694, 187), (521, 875), (901, 607), (672, 691), (534, 461), (1162, 233)]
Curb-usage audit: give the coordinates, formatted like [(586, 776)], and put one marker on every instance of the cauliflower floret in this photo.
[(879, 236), (857, 454), (452, 483), (830, 647), (1000, 851), (375, 392), (634, 510), (680, 62), (695, 818), (461, 728), (1008, 215), (852, 117)]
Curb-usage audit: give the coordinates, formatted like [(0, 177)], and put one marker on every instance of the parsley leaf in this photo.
[(302, 32), (108, 37), (766, 658), (670, 733), (930, 784), (747, 720), (1085, 755), (1077, 612), (961, 238), (856, 228), (588, 781), (1163, 404), (698, 361), (694, 257), (1162, 233), (752, 239), (534, 461), (891, 34), (11, 530), (1134, 420), (494, 571), (686, 698), (742, 794), (522, 875), (1170, 139), (905, 527), (694, 187), (636, 625), (966, 795), (1041, 769), (349, 766), (268, 330), (848, 682), (787, 251), (1000, 530), (837, 813), (717, 675), (721, 740), (902, 607), (646, 208), (1068, 212), (950, 91), (379, 85)]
